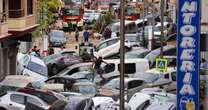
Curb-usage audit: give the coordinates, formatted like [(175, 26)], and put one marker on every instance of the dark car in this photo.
[(59, 61), (57, 38), (46, 95)]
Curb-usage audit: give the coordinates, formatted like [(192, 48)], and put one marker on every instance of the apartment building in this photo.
[(18, 20)]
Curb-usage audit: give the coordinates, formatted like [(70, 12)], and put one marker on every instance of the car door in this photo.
[(171, 77), (17, 102)]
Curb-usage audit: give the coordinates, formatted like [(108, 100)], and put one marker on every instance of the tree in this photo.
[(47, 11), (103, 22)]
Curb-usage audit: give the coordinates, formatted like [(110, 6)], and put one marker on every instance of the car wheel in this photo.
[(2, 108), (54, 69)]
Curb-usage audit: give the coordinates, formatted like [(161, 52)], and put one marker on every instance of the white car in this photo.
[(30, 65), (13, 82), (151, 101), (109, 47), (18, 101), (170, 75)]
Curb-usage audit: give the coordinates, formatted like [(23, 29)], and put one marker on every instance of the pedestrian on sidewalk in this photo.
[(86, 35), (77, 35)]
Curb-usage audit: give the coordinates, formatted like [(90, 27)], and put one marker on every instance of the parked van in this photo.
[(132, 66), (30, 65), (130, 27)]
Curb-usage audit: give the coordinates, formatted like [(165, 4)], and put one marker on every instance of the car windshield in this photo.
[(72, 12), (47, 98), (58, 34), (113, 84), (136, 54), (129, 11), (51, 57), (149, 77), (37, 68), (83, 89), (115, 28), (132, 38), (156, 29)]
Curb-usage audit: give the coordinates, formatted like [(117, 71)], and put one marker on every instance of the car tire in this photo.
[(1, 108), (54, 70)]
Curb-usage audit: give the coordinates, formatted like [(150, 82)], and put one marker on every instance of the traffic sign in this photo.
[(161, 64)]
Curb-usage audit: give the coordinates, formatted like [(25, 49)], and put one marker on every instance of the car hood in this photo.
[(99, 100), (159, 82), (108, 92)]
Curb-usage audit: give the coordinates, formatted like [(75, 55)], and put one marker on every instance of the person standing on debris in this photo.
[(77, 35), (107, 33), (97, 66), (86, 35)]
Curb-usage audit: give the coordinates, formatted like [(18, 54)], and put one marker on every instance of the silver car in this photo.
[(57, 38)]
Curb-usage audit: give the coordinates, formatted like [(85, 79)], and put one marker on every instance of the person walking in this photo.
[(97, 66), (86, 35), (77, 35)]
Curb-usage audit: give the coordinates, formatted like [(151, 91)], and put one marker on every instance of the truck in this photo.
[(72, 17), (133, 11)]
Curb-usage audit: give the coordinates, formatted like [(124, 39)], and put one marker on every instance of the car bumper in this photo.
[(57, 44)]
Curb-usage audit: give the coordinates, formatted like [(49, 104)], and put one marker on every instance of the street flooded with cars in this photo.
[(75, 63)]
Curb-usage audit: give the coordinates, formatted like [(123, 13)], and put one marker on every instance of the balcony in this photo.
[(20, 22), (16, 13)]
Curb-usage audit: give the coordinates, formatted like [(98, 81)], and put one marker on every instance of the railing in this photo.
[(16, 13), (3, 17)]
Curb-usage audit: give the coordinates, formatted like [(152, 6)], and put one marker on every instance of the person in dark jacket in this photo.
[(107, 33), (97, 66), (86, 35)]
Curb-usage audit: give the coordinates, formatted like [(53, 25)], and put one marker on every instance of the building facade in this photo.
[(18, 21)]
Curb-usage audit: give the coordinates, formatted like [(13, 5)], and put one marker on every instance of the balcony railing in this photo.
[(3, 17), (16, 13)]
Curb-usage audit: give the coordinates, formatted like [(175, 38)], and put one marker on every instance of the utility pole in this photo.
[(122, 68), (162, 26), (143, 15)]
